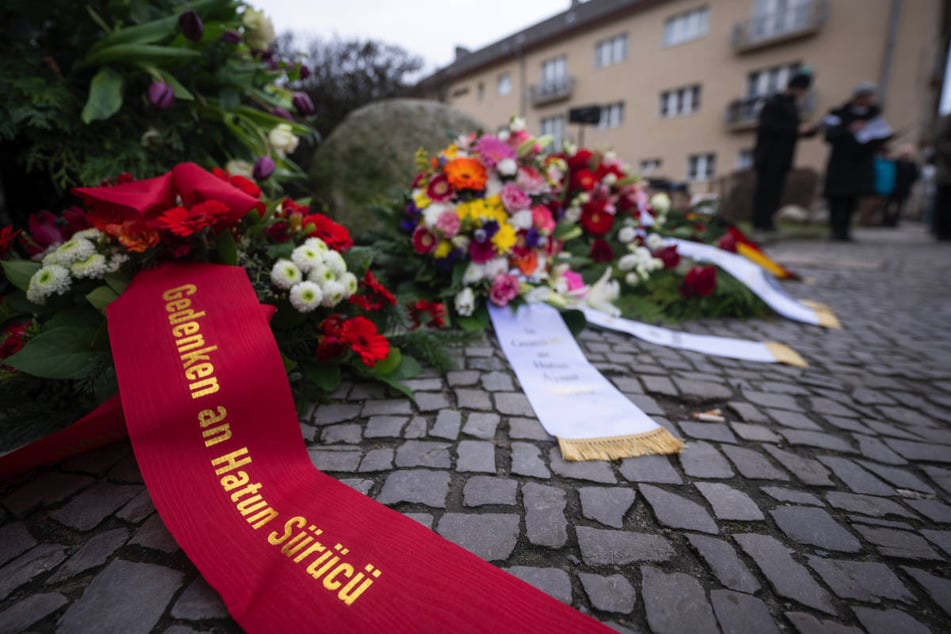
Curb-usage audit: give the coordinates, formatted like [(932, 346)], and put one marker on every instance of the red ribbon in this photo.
[(216, 435)]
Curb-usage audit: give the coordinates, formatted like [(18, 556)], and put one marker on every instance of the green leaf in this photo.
[(138, 55), (105, 96), (325, 376), (180, 91), (19, 272), (478, 321), (575, 321), (566, 231), (389, 364), (226, 248), (116, 281), (61, 353), (74, 318), (101, 296)]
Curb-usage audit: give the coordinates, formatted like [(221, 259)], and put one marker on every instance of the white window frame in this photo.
[(610, 51), (686, 27), (612, 116), (701, 167), (556, 126), (650, 166), (504, 84), (744, 159), (679, 102)]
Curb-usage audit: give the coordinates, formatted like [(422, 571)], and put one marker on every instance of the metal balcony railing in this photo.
[(550, 91), (742, 114), (771, 28)]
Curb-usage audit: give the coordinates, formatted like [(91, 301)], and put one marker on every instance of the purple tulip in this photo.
[(232, 36), (303, 104), (161, 95), (263, 168), (191, 26), (304, 71), (282, 113)]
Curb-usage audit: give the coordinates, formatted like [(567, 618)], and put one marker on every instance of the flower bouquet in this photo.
[(330, 311)]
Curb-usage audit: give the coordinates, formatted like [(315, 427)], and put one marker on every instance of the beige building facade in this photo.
[(677, 83)]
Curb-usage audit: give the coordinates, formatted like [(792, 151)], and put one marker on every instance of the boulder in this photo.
[(370, 156)]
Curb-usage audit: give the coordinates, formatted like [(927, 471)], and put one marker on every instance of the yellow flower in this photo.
[(442, 249), (504, 238), (420, 199)]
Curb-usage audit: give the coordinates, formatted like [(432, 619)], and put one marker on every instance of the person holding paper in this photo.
[(854, 133)]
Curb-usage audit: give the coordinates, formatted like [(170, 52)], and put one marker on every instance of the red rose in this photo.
[(699, 281), (334, 234), (601, 251), (669, 256), (594, 219), (727, 242), (580, 160)]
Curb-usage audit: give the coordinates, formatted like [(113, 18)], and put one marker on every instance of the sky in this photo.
[(428, 28)]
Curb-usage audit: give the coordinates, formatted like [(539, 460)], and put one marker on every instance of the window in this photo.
[(505, 84), (481, 91), (744, 159), (679, 101), (650, 166), (686, 26), (774, 18), (612, 116), (555, 70), (610, 51), (555, 126), (701, 167), (769, 81)]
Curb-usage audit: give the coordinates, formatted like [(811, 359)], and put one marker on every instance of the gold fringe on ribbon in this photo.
[(657, 441), (784, 354), (826, 317)]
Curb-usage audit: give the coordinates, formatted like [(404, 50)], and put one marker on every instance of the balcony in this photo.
[(551, 91), (768, 29), (742, 114)]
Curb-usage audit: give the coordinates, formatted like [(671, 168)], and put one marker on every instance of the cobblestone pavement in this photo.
[(821, 505)]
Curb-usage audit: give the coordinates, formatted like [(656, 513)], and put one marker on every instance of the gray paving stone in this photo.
[(659, 385), (528, 429), (527, 461), (673, 600), (154, 535), (747, 412), (888, 621), (770, 400), (33, 563), (416, 428), (199, 601), (97, 461), (15, 539), (740, 613), (874, 449), (601, 547), (88, 509), (729, 503), (137, 509), (831, 407), (795, 420), (791, 495), (900, 477), (935, 510), (423, 385), (447, 425), (816, 439), (853, 425), (855, 477), (675, 511), (497, 382), (941, 539), (431, 401), (387, 407), (513, 404), (755, 433), (788, 578), (126, 471), (808, 624), (865, 581), (707, 431), (483, 490), (362, 485), (93, 553), (481, 425), (809, 525), (648, 405), (479, 400), (338, 459), (938, 588), (385, 426), (917, 451), (873, 521), (552, 581), (702, 391), (36, 607), (46, 489), (423, 453), (377, 460), (456, 378), (594, 471), (420, 486), (606, 504), (650, 469), (702, 460), (476, 456), (348, 432), (612, 593), (724, 562), (752, 464), (491, 536), (423, 518), (808, 471), (308, 432), (126, 597), (867, 504), (901, 544), (545, 522), (940, 476), (336, 413)]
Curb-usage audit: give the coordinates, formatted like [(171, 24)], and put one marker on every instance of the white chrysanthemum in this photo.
[(654, 241), (522, 219), (582, 198), (432, 212), (461, 242), (573, 214), (49, 280), (465, 302), (628, 262), (503, 135), (507, 166), (632, 279), (306, 296), (317, 244), (321, 274), (517, 124), (350, 283), (493, 186), (92, 268), (89, 234), (285, 274), (116, 262), (609, 179), (660, 203), (334, 293), (643, 254), (569, 148), (73, 250), (474, 272), (627, 234), (655, 264), (306, 257), (496, 267), (336, 263)]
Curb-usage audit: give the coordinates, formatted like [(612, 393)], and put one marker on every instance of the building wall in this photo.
[(849, 48)]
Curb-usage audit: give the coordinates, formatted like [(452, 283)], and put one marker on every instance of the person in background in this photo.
[(886, 172), (906, 173), (777, 132), (850, 170), (941, 218)]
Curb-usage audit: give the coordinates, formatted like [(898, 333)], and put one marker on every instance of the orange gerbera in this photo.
[(527, 264), (465, 173)]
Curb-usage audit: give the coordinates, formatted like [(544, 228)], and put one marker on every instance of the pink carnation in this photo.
[(542, 219), (574, 280), (530, 181), (492, 150), (448, 224), (514, 198), (504, 289)]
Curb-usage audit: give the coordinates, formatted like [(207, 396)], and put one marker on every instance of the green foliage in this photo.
[(105, 95)]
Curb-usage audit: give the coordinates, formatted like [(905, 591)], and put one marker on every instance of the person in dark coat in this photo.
[(777, 132), (906, 173), (850, 171), (941, 218)]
